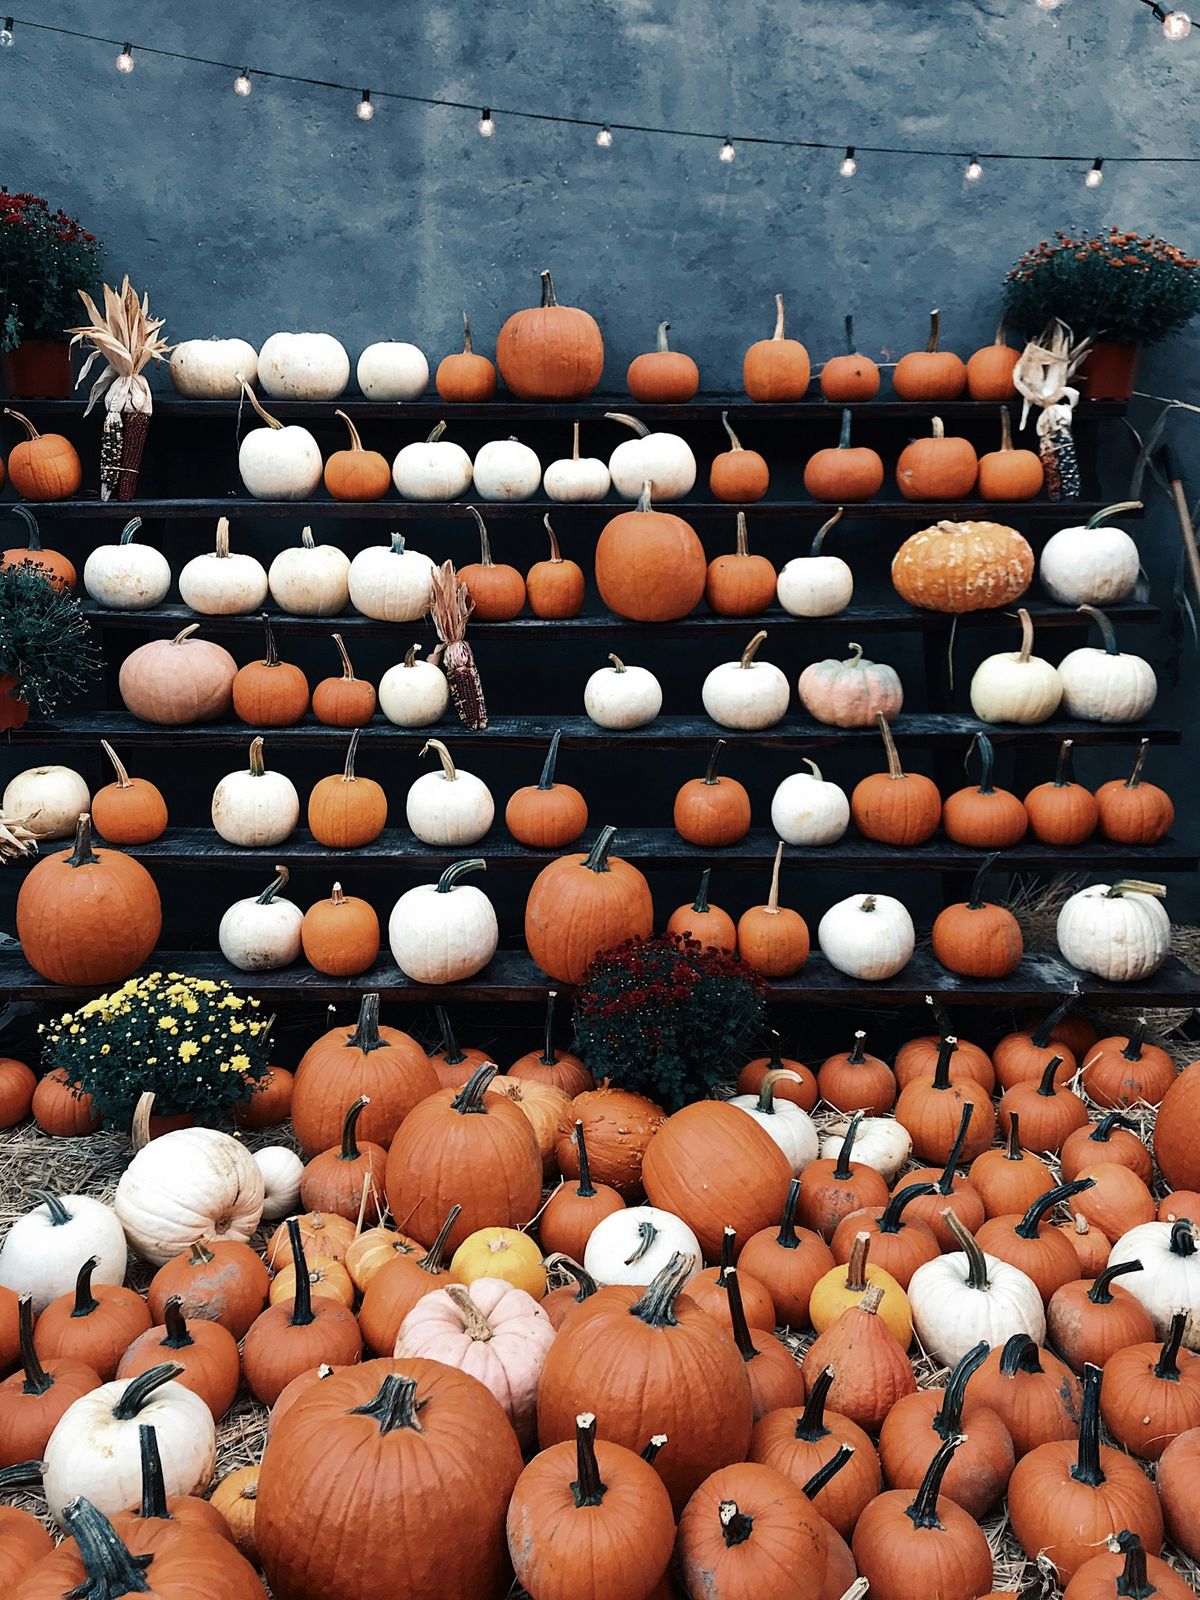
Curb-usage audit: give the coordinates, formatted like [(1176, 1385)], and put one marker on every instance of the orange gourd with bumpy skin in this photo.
[(551, 352), (619, 1126), (932, 373), (650, 565), (963, 566), (465, 376), (662, 376), (581, 905), (776, 368)]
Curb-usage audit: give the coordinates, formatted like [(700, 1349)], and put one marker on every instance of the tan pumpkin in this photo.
[(175, 682), (850, 694)]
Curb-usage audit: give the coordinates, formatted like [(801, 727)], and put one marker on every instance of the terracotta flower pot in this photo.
[(1108, 371), (14, 712), (38, 369)]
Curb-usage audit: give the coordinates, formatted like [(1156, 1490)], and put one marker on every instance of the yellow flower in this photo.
[(237, 1027), (104, 1049), (167, 1020), (240, 1062), (188, 1049)]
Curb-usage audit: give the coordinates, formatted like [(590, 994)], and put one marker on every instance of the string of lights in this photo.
[(1176, 25)]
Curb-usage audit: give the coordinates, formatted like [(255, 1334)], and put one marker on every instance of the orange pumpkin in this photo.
[(705, 924), (547, 815), (845, 473), (340, 936), (1062, 812), (662, 376), (17, 1085), (465, 376), (574, 1210), (930, 374), (738, 473), (347, 701), (1115, 1139), (711, 812), (555, 587), (1133, 812), (854, 1080), (740, 585), (344, 810), (773, 939), (931, 1109), (619, 1126), (61, 1108), (776, 368), (497, 590), (896, 807), (963, 566), (1126, 1071), (793, 1080), (650, 565), (131, 810), (347, 1179), (453, 1064), (975, 938), (270, 693), (52, 564), (1008, 474), (45, 466), (551, 352), (558, 1068), (849, 377), (986, 818), (271, 1102), (357, 474), (937, 468), (990, 370), (581, 905)]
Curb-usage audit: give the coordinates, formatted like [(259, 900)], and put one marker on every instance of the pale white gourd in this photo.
[(663, 460), (303, 366), (1170, 1277), (1095, 565), (263, 932), (807, 809), (255, 807), (576, 479), (867, 936), (127, 576), (282, 1171), (391, 369), (212, 369), (506, 469), (621, 696), (449, 807), (310, 579), (816, 585), (1106, 685), (192, 1183), (1120, 932), (791, 1128), (44, 1250), (881, 1143), (634, 1245), (746, 693), (95, 1449), (48, 801), (390, 582), (1015, 685), (434, 469), (965, 1296), (446, 931), (414, 694), (278, 462), (220, 583)]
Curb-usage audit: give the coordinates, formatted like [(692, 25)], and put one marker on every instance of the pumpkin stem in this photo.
[(737, 1316), (138, 1390), (1183, 1237), (660, 341), (366, 1034), (177, 1335), (485, 547), (923, 1511), (1020, 1354), (653, 1445), (617, 664), (890, 1218), (123, 779), (436, 433), (1098, 519), (395, 1406), (841, 1169), (1012, 1149), (221, 541), (766, 1091), (856, 1267), (456, 870), (469, 1100), (586, 1189), (787, 1237), (975, 900), (431, 1261), (396, 543), (1027, 1228), (1026, 650), (185, 634), (947, 1045), (32, 433), (946, 1181), (1133, 1581), (1102, 1132), (857, 1055), (475, 1325), (1135, 776), (555, 552), (778, 334), (736, 1527), (742, 543), (596, 859), (278, 882), (154, 1488), (710, 775), (940, 1016), (1107, 634), (57, 1211), (895, 770), (810, 1424), (807, 761), (37, 1379), (643, 500), (111, 1568), (1136, 886), (977, 1274), (638, 426), (772, 905), (1099, 1294), (819, 537), (350, 1150), (355, 440), (257, 764), (848, 322), (449, 771), (828, 1471), (700, 903), (128, 531), (1062, 772), (751, 650), (548, 296), (987, 762), (647, 1233), (947, 1419), (728, 1240), (256, 404), (302, 1311), (937, 430), (21, 1473), (844, 433), (347, 669), (587, 1284), (1167, 1365), (468, 348), (200, 1254), (734, 442), (82, 854), (1041, 1034), (451, 1053), (656, 1308), (85, 1300), (1133, 1045), (935, 331), (1087, 1468), (411, 654), (1006, 443), (588, 1488), (1046, 1086)]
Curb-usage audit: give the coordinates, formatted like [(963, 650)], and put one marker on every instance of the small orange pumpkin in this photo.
[(711, 811), (347, 1179), (940, 467), (990, 370), (52, 564), (738, 474), (344, 810), (1133, 812), (741, 584), (1062, 812), (849, 377), (662, 376), (1008, 474), (896, 807), (706, 924), (986, 818), (776, 368), (270, 693), (975, 938), (555, 587), (465, 376), (357, 474), (932, 373), (497, 590), (131, 810), (347, 701), (773, 939), (340, 936), (844, 473), (45, 466), (558, 1068), (547, 815)]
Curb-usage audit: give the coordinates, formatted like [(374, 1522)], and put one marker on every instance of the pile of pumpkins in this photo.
[(637, 1431)]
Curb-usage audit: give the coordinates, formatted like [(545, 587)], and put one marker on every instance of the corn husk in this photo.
[(127, 338), (451, 609)]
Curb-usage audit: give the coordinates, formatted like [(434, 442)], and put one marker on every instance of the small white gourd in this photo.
[(868, 936), (310, 579), (576, 479), (1015, 685), (212, 369), (414, 694), (1106, 685), (278, 462), (47, 801), (255, 807), (747, 693), (791, 1128), (809, 810), (390, 582), (881, 1143), (392, 370), (44, 1249), (449, 807), (220, 583), (126, 576), (1094, 565), (1120, 932), (816, 585), (303, 366), (433, 469), (263, 932), (506, 469), (663, 460), (621, 696), (446, 931), (282, 1171), (634, 1245)]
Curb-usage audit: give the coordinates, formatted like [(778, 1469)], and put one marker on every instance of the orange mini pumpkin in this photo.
[(1008, 474), (344, 810), (711, 811), (773, 939), (465, 376), (662, 376), (555, 587), (497, 590), (346, 701), (130, 810), (776, 368), (963, 566), (932, 373), (551, 352), (741, 584), (649, 564), (844, 473), (340, 936), (849, 377), (939, 467), (896, 807), (707, 925), (990, 370), (583, 904), (52, 564), (975, 938), (45, 466), (547, 815), (357, 474), (738, 473), (270, 693), (1062, 812), (1131, 811), (985, 817)]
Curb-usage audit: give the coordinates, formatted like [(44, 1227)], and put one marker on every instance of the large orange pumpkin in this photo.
[(776, 368), (650, 565), (551, 352), (581, 905), (963, 566)]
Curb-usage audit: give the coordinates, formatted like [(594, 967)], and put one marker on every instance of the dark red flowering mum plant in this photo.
[(45, 259)]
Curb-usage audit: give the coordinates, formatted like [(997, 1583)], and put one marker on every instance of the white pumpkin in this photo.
[(1170, 1277), (1106, 685), (212, 369), (310, 579), (47, 800), (446, 931), (663, 460), (449, 807), (867, 936), (1120, 932), (746, 693), (506, 469), (390, 582), (44, 1250), (126, 576), (414, 694), (881, 1143), (277, 462), (434, 469), (576, 479), (1095, 565), (282, 1169), (95, 1449), (255, 807), (303, 366), (621, 696), (1016, 686), (791, 1128), (392, 370), (263, 932), (634, 1245), (192, 1183), (221, 584), (816, 585), (807, 809), (965, 1296)]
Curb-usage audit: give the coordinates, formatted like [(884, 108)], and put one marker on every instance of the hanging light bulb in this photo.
[(974, 171), (849, 166), (604, 138), (6, 34), (1176, 25), (728, 153), (125, 60), (364, 110), (1049, 5), (486, 126), (241, 84), (1096, 176)]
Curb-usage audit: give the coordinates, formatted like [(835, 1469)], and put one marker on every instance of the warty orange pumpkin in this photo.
[(963, 566)]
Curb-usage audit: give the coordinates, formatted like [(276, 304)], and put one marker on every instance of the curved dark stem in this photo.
[(451, 1053), (940, 1016), (139, 1389), (596, 859), (656, 1308), (21, 1473), (700, 903), (350, 1150), (588, 1488), (890, 1218), (1167, 1365), (470, 1097), (37, 1379), (841, 1170), (787, 1237), (946, 1181), (987, 762), (1027, 1228), (587, 1284), (302, 1311), (1041, 1034), (947, 1045), (857, 1055), (85, 1300), (1133, 1581), (1046, 1087), (178, 1337), (586, 1189), (653, 1445), (923, 1511), (546, 781), (1020, 1354), (1133, 1047), (82, 854), (154, 1489), (432, 1260), (947, 1420), (58, 1212), (1112, 1119), (810, 1425), (647, 1233), (1183, 1238), (366, 1035), (737, 1316), (1099, 1294), (395, 1406), (1012, 1148), (272, 655), (827, 1472), (736, 1528), (710, 774), (975, 900), (111, 1569), (1087, 1468), (549, 1056), (1062, 772)]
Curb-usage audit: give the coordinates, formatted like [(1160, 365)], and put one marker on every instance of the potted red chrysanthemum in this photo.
[(45, 259)]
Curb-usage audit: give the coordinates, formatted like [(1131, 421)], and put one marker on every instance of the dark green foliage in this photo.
[(45, 640), (1114, 286)]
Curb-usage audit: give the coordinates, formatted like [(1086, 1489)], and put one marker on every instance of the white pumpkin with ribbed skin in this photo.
[(193, 1183), (392, 369), (576, 479), (255, 807), (1170, 1277), (262, 932), (212, 369), (1120, 932), (278, 462), (622, 697), (951, 1313), (1094, 565), (414, 694), (127, 576), (449, 807), (816, 585), (662, 460), (506, 469), (44, 1250), (807, 809), (282, 1171), (47, 800), (791, 1128), (390, 582), (433, 469), (747, 693), (881, 1143), (1015, 685), (646, 1233), (310, 579), (303, 366), (446, 931), (868, 936), (1106, 685), (223, 583)]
